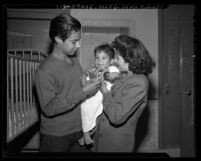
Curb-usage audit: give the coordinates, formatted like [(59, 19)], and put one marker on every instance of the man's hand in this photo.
[(83, 79), (92, 86)]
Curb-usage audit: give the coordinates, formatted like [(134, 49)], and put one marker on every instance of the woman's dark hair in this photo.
[(63, 25), (134, 53), (106, 48)]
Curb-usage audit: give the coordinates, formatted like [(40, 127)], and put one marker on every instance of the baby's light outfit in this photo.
[(93, 107)]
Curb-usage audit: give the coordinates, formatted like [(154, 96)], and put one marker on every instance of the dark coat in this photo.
[(123, 106)]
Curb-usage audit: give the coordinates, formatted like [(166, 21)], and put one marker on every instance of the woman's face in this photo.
[(103, 61), (121, 64)]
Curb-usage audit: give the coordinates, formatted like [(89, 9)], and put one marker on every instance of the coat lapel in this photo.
[(116, 86)]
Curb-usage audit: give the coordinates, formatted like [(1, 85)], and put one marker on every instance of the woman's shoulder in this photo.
[(138, 79)]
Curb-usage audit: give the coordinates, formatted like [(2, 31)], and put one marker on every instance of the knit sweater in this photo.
[(60, 94)]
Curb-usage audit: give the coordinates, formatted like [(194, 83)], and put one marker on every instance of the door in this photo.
[(169, 80), (176, 79), (187, 81)]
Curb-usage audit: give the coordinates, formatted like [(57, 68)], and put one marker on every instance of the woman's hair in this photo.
[(63, 25), (106, 48), (134, 53)]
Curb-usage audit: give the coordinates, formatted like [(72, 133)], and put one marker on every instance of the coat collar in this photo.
[(119, 82)]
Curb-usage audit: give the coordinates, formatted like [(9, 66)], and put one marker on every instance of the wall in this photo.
[(143, 24), (32, 22)]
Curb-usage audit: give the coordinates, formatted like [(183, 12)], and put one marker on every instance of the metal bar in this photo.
[(30, 70), (21, 106), (16, 98), (24, 92), (30, 92), (33, 101), (12, 98), (9, 121), (27, 88)]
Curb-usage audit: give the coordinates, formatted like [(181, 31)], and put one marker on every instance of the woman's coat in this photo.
[(122, 108)]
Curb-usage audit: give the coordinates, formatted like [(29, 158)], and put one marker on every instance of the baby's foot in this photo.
[(89, 141), (81, 141)]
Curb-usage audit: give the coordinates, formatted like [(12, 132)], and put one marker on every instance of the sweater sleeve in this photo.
[(119, 109), (51, 102)]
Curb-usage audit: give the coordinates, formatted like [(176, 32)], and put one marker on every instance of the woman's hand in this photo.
[(111, 76), (103, 87)]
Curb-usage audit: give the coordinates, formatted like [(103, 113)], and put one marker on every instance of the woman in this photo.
[(127, 99)]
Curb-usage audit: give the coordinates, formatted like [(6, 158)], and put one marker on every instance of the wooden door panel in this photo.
[(170, 80), (176, 79), (187, 80)]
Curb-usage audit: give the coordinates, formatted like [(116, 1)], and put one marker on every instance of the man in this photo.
[(60, 93)]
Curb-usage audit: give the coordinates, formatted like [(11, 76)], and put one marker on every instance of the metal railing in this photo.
[(21, 104)]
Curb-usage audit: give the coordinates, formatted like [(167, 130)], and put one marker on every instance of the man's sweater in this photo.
[(60, 94)]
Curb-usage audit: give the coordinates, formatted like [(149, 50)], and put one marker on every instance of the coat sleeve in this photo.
[(131, 98), (51, 102)]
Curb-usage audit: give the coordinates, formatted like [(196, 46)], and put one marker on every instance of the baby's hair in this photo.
[(106, 48)]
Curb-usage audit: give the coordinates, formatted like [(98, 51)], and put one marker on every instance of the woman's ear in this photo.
[(112, 61), (58, 40)]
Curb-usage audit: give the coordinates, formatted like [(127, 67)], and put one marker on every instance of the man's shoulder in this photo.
[(48, 64)]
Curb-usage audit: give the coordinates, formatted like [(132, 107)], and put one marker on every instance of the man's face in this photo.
[(71, 44)]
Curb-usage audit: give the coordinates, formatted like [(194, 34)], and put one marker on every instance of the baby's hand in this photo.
[(111, 76), (98, 78), (98, 72)]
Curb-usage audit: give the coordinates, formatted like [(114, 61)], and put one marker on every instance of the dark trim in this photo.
[(110, 29), (160, 77), (23, 18)]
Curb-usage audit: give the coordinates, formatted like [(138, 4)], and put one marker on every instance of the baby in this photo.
[(92, 107)]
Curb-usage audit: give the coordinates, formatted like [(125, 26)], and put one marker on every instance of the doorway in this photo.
[(176, 79)]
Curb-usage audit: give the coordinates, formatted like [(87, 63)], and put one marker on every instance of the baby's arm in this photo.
[(112, 74), (90, 75), (83, 79)]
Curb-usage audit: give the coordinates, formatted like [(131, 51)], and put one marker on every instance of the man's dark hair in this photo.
[(63, 25)]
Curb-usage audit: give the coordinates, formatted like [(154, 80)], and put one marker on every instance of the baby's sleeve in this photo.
[(113, 69)]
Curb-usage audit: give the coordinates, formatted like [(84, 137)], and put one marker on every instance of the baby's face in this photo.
[(103, 61)]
